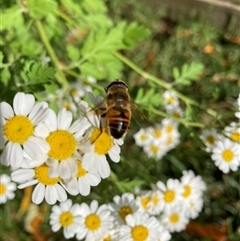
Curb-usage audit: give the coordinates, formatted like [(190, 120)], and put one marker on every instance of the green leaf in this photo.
[(5, 76), (134, 33), (176, 73), (12, 18), (188, 73), (1, 58), (35, 75), (125, 186), (41, 8), (73, 52), (96, 6)]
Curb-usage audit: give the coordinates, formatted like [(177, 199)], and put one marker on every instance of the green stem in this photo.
[(153, 78), (182, 121), (160, 82), (60, 75)]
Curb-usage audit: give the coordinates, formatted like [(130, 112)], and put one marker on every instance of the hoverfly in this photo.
[(115, 111)]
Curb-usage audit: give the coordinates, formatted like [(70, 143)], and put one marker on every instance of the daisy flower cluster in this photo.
[(224, 149), (52, 151), (157, 141), (152, 215)]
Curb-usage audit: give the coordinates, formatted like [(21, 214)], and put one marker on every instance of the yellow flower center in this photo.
[(235, 136), (66, 219), (124, 211), (80, 171), (176, 114), (170, 100), (41, 173), (3, 189), (169, 140), (139, 233), (102, 141), (107, 238), (66, 105), (169, 128), (18, 129), (144, 202), (227, 155), (174, 218), (158, 133), (143, 137), (74, 92), (92, 221), (169, 196), (154, 149), (62, 143), (210, 139), (155, 199), (187, 191)]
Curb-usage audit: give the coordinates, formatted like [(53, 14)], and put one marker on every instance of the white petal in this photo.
[(23, 103), (64, 170), (42, 130), (93, 179), (22, 175), (39, 113), (6, 110), (50, 195), (38, 194), (104, 168), (53, 170), (84, 187), (15, 154), (64, 119), (51, 121), (33, 149), (28, 183), (61, 194)]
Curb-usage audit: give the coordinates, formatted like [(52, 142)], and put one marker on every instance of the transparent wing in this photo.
[(142, 120)]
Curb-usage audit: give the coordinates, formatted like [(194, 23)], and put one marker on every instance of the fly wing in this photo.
[(142, 120)]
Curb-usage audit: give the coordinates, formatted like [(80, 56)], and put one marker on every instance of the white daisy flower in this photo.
[(140, 227), (82, 181), (96, 222), (112, 235), (172, 192), (79, 90), (156, 149), (174, 219), (169, 125), (47, 187), (193, 185), (172, 140), (66, 216), (156, 204), (192, 194), (122, 206), (17, 130), (7, 188), (226, 155), (233, 131), (170, 99), (143, 201), (142, 137), (164, 235), (209, 138), (63, 139), (175, 111), (96, 144), (195, 205)]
